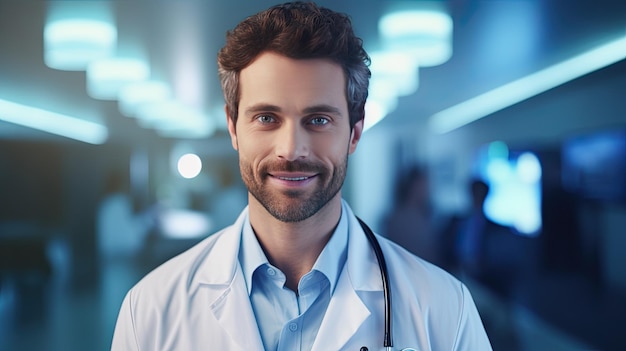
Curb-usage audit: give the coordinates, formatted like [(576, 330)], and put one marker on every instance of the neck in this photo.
[(294, 247)]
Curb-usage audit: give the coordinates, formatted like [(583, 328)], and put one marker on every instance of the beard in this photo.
[(293, 205)]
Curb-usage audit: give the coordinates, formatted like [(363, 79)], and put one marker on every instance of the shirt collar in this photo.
[(330, 261)]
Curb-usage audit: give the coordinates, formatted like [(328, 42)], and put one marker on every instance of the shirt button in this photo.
[(293, 327), (271, 271)]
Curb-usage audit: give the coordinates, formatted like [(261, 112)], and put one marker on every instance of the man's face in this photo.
[(293, 134)]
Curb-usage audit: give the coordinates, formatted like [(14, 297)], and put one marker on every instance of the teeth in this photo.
[(293, 179)]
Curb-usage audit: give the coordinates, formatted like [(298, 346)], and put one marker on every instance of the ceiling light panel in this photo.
[(132, 96), (524, 88), (51, 122), (106, 77), (71, 44), (425, 34)]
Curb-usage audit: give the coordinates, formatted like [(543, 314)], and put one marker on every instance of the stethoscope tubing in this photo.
[(387, 341)]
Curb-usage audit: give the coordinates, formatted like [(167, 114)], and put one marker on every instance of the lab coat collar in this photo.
[(224, 254), (346, 311), (225, 287), (361, 258), (361, 261)]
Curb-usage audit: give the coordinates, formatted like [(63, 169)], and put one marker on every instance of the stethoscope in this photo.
[(387, 340)]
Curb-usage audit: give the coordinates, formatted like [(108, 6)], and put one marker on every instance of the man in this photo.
[(295, 271)]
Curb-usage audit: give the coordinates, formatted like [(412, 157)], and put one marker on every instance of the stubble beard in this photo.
[(296, 205)]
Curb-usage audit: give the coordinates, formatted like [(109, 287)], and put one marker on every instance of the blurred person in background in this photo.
[(410, 221), (227, 198), (489, 254), (121, 230), (486, 250)]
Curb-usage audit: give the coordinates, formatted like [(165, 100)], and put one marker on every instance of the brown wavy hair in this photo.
[(299, 30)]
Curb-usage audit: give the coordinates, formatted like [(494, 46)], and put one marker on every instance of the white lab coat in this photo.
[(199, 301)]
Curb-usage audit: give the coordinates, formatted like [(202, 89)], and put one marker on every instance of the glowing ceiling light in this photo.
[(187, 129), (172, 119), (191, 126), (527, 87), (55, 123), (71, 44), (106, 77), (375, 111), (400, 69), (132, 96), (381, 101), (424, 34), (155, 112)]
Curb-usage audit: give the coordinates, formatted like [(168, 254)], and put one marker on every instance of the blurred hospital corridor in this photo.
[(494, 146)]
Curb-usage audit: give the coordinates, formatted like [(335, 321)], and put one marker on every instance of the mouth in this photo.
[(292, 179), (293, 175)]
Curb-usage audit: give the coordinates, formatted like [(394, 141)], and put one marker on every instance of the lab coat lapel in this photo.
[(233, 311), (227, 293), (347, 312)]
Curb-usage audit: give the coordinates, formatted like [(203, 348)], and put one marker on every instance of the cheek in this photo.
[(331, 150), (252, 150)]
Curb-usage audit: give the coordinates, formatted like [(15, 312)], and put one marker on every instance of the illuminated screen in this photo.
[(514, 179)]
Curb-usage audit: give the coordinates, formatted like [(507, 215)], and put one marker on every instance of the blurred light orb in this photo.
[(189, 165)]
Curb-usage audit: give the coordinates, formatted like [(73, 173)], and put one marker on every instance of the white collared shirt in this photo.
[(288, 321)]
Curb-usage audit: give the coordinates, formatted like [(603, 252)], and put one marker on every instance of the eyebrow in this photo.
[(322, 108), (262, 107)]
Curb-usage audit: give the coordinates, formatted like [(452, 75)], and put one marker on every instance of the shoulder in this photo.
[(420, 279), (444, 303), (403, 259), (180, 274), (158, 306)]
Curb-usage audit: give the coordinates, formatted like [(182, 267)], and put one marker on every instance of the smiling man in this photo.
[(296, 270), (293, 137)]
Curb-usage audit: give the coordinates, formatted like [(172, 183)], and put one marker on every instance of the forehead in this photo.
[(276, 79)]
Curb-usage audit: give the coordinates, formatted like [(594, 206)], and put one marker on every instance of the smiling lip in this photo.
[(293, 178)]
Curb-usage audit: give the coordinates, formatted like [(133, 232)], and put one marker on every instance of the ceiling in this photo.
[(494, 42)]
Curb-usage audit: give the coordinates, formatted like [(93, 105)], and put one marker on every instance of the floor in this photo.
[(60, 313)]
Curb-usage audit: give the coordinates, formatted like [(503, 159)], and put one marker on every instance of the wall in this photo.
[(613, 238)]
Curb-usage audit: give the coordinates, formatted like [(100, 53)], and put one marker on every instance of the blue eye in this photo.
[(265, 119), (319, 121)]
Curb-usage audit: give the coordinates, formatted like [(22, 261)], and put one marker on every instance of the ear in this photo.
[(231, 128), (355, 136)]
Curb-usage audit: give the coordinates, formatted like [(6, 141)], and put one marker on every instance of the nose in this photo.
[(292, 142)]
